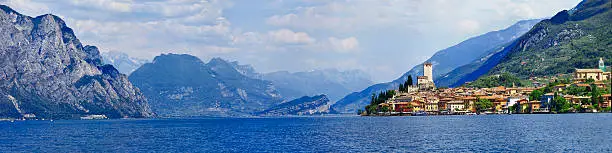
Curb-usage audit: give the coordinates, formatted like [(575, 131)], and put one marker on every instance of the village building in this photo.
[(426, 99), (598, 74), (607, 101)]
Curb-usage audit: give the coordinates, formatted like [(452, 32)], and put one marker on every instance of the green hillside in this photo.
[(571, 39)]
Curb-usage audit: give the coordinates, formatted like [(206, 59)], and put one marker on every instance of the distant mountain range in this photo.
[(46, 72), (331, 82), (124, 63), (444, 61), (183, 85)]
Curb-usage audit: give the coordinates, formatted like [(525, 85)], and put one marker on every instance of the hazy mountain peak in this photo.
[(331, 82), (123, 62)]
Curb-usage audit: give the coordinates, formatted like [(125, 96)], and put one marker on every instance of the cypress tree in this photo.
[(409, 81)]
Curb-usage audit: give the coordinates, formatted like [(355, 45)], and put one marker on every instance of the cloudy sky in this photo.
[(384, 38)]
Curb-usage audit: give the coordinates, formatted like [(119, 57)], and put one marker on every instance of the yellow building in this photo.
[(431, 107), (595, 74), (455, 105), (599, 74)]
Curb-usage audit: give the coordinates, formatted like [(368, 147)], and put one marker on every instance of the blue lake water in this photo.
[(490, 133)]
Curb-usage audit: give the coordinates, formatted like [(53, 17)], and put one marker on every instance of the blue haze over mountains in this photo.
[(48, 72), (472, 50), (183, 85)]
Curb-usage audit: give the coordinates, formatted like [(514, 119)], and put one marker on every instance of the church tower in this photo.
[(602, 66)]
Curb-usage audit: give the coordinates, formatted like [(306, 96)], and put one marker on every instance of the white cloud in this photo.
[(288, 36), (344, 45), (27, 7), (108, 5)]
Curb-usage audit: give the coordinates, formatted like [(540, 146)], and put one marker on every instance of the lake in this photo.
[(486, 133)]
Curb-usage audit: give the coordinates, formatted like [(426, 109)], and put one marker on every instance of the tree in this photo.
[(409, 82), (596, 97), (589, 81), (560, 104), (378, 99), (483, 105), (385, 109), (536, 94)]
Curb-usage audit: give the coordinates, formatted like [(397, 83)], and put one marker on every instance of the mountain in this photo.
[(124, 63), (45, 71), (444, 61), (183, 85), (302, 106), (331, 82), (570, 39), (246, 70)]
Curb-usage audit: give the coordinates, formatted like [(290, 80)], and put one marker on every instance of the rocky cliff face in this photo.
[(301, 106), (183, 85), (46, 71)]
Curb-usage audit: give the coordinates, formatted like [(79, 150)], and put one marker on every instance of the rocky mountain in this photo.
[(331, 82), (570, 39), (302, 106), (45, 71), (183, 85), (124, 63), (444, 61)]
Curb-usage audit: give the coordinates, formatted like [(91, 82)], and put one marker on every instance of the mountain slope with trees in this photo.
[(571, 39)]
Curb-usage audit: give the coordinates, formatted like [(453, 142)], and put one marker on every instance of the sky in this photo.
[(384, 38)]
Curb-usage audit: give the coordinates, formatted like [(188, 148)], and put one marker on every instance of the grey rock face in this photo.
[(301, 106), (46, 71)]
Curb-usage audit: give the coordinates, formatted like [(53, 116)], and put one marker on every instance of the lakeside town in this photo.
[(584, 91)]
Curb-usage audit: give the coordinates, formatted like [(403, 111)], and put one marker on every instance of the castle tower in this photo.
[(428, 71), (602, 66)]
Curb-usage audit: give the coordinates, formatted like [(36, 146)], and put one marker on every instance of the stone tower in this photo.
[(428, 71), (602, 66)]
